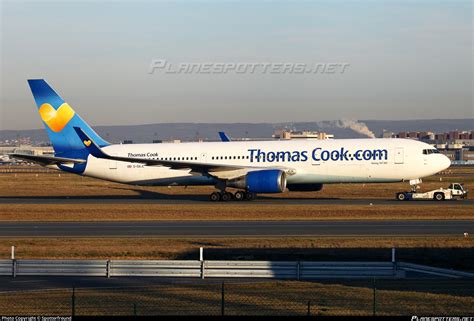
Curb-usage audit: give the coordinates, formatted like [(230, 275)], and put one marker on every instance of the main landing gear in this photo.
[(237, 196)]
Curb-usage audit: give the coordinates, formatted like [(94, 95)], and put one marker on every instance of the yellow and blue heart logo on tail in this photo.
[(56, 119), (87, 143)]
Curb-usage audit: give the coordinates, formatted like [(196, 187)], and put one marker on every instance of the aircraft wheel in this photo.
[(250, 196), (226, 196), (214, 197), (239, 196)]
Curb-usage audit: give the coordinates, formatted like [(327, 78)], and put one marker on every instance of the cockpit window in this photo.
[(430, 151)]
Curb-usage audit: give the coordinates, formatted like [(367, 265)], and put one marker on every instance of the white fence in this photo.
[(219, 269)]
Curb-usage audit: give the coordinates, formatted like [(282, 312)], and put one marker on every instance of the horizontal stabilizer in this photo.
[(47, 160)]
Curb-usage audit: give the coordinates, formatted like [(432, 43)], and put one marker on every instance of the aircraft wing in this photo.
[(47, 160), (216, 170)]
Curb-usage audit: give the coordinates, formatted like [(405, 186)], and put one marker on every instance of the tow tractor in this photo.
[(454, 190)]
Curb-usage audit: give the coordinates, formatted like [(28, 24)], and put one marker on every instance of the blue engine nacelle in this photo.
[(264, 181)]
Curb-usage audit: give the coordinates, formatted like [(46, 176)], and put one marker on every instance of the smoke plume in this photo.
[(356, 126)]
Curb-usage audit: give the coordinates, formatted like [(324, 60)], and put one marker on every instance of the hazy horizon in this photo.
[(405, 60), (363, 121), (41, 127)]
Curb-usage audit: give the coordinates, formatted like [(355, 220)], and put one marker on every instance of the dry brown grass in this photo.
[(261, 298), (231, 211), (175, 248)]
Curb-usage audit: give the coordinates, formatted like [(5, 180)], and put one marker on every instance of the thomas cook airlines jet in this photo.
[(251, 167)]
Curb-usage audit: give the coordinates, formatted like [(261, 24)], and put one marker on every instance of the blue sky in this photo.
[(408, 59)]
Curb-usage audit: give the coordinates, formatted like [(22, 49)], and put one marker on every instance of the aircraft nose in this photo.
[(444, 162)]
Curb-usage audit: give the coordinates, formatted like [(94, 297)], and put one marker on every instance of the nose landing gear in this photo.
[(414, 184), (227, 196)]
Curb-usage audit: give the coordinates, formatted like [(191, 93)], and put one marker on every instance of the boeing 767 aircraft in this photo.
[(251, 167)]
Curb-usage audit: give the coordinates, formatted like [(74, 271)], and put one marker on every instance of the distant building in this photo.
[(27, 149), (458, 146), (304, 134), (387, 134), (459, 155), (453, 137), (23, 149)]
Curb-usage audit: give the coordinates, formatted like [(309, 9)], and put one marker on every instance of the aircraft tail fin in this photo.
[(223, 136), (59, 120)]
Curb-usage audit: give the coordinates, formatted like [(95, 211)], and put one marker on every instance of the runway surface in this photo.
[(238, 228), (203, 199)]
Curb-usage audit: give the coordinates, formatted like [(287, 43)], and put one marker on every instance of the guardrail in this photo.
[(301, 270), (251, 269), (312, 270), (60, 267), (155, 268), (6, 267), (411, 267)]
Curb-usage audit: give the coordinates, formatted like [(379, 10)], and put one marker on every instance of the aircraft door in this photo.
[(399, 155), (112, 164)]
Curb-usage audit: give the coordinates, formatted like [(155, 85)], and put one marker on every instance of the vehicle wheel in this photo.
[(401, 196), (250, 196), (226, 197), (239, 196), (214, 197), (439, 196)]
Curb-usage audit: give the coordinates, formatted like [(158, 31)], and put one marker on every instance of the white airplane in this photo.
[(251, 167)]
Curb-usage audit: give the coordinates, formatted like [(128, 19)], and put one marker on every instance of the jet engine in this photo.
[(262, 181)]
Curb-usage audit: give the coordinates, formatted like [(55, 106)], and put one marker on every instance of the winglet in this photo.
[(224, 137), (89, 144)]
